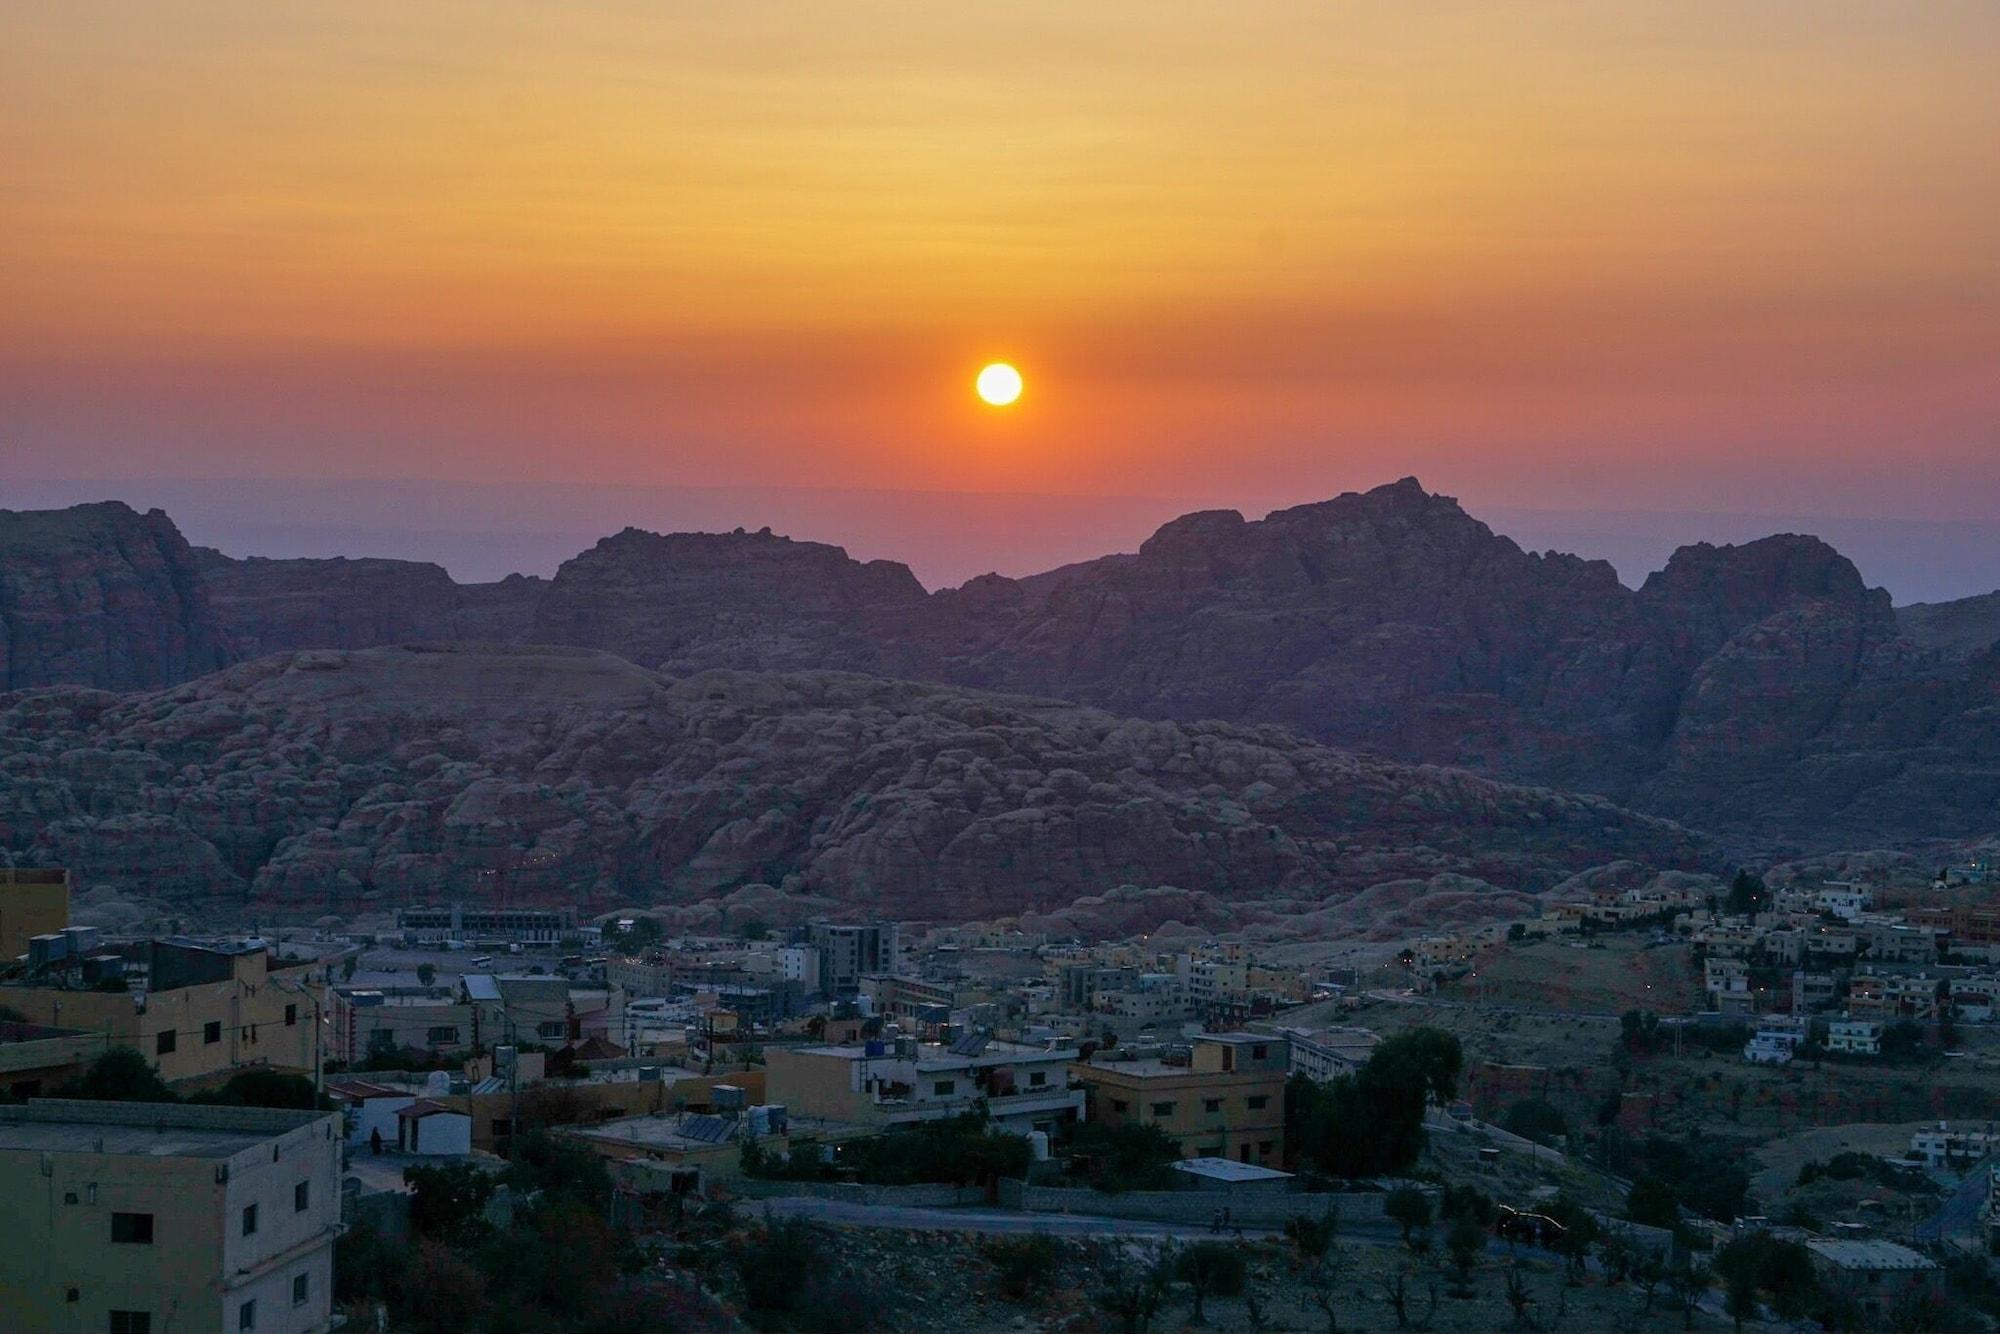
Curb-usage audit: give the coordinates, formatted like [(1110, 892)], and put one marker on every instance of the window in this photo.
[(1265, 1146), (1163, 1109), (301, 1197), (1257, 1052), (1257, 1103), (131, 1322), (246, 1315), (164, 1042), (133, 1229), (1038, 1078), (291, 1016), (551, 1029), (301, 1289), (249, 1220), (1121, 1106), (944, 1088), (211, 1032), (1211, 1104), (442, 1035)]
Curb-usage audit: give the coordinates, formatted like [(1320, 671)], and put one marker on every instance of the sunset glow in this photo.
[(1617, 253), (999, 384)]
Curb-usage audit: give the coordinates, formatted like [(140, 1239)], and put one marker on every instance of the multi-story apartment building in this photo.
[(32, 903), (850, 951), (900, 1080), (155, 1218), (1855, 1037), (1228, 1101), (1949, 1147), (209, 1007)]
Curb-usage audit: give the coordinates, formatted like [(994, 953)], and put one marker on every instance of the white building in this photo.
[(1327, 1053), (1855, 1037), (1947, 1147)]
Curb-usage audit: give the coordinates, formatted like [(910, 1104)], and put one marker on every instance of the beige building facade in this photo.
[(1227, 1102), (158, 1219)]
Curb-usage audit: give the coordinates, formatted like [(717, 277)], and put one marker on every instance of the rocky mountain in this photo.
[(323, 780), (101, 594), (266, 606), (1763, 691), (689, 601)]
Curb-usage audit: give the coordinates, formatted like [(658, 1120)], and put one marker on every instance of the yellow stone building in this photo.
[(1228, 1101), (32, 903)]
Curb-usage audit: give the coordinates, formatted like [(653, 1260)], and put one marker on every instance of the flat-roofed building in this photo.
[(1321, 1054), (150, 1218), (35, 1058), (902, 1081), (528, 926), (1877, 1276), (212, 1006), (32, 903), (1228, 1101)]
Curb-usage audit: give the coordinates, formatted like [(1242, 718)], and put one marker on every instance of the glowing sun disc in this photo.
[(999, 384)]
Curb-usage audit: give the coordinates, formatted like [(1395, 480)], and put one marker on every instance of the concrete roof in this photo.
[(1226, 1169), (1869, 1255), (148, 1130)]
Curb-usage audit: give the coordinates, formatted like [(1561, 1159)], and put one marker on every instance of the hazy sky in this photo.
[(1723, 255)]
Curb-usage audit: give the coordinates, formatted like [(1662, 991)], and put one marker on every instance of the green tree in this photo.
[(1465, 1242), (1370, 1122), (426, 974), (448, 1200), (1535, 1119), (1651, 1201), (1211, 1269), (1410, 1209), (119, 1074), (1133, 1293), (266, 1088), (1747, 894), (1024, 1267)]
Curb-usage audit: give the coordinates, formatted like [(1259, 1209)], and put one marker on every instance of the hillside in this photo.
[(333, 781)]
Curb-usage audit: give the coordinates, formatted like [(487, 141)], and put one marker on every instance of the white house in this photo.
[(1855, 1037), (433, 1129)]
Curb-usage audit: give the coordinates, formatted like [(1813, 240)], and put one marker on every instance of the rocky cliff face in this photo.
[(1762, 691), (103, 595), (690, 601), (330, 781), (266, 606)]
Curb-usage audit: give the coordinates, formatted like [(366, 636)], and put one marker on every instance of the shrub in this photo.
[(1024, 1266), (1211, 1269)]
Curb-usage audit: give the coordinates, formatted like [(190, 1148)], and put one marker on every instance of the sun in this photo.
[(999, 384)]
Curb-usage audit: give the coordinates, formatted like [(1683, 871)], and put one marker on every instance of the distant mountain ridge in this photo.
[(1762, 691)]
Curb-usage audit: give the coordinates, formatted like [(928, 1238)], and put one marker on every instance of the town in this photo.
[(1660, 1101)]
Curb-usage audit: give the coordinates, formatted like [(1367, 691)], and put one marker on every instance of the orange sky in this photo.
[(1580, 252)]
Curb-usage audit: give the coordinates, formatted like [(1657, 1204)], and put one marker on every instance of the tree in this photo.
[(774, 1263), (1535, 1119), (1211, 1269), (1740, 1299), (1651, 1201), (119, 1074), (426, 974), (1396, 1293), (448, 1200), (1133, 1293), (1323, 1281), (1519, 1299), (1747, 894), (1129, 1156), (1371, 1122), (1689, 1284), (266, 1088), (347, 967), (1411, 1210), (1023, 1266), (1464, 1242)]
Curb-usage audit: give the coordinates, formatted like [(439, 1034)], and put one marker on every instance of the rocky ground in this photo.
[(341, 782)]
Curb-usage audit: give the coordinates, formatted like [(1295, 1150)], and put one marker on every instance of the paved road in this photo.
[(843, 1213), (1488, 1007)]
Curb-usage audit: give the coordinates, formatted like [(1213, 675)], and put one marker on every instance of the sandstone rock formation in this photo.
[(1762, 692), (267, 606), (103, 595), (327, 781)]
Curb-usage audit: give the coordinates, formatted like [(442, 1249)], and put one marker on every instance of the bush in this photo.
[(1025, 1266), (1371, 1122), (1410, 1208), (1123, 1157), (1784, 1269), (448, 1200), (774, 1264), (1535, 1119)]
